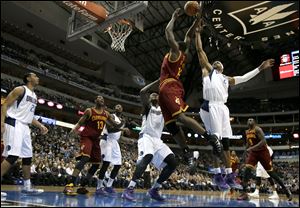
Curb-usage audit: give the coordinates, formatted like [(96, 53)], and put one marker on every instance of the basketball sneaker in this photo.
[(230, 180), (243, 196), (110, 191), (31, 191), (190, 160), (154, 194), (82, 190), (3, 194), (255, 194), (220, 182), (69, 190), (101, 191), (128, 194), (274, 195)]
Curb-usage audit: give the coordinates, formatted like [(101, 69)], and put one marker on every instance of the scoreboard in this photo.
[(289, 65)]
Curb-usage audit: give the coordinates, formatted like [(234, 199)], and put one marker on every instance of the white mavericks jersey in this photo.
[(153, 123), (115, 135), (215, 87), (23, 108)]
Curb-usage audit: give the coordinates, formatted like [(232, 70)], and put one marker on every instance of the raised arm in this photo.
[(241, 79), (174, 47), (189, 34), (203, 60), (144, 93)]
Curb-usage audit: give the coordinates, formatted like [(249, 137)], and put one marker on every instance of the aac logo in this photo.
[(258, 20)]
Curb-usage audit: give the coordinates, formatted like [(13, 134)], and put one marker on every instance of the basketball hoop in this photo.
[(118, 32)]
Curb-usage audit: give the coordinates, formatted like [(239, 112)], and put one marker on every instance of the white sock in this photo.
[(257, 190), (228, 170), (274, 192), (110, 182), (156, 185), (27, 183), (217, 170), (100, 184), (132, 184)]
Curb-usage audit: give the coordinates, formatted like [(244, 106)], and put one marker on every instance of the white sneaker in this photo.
[(31, 191), (275, 202), (255, 194), (3, 194), (274, 196)]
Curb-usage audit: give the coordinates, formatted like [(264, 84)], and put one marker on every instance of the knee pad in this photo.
[(171, 161), (146, 160), (82, 162), (26, 161), (258, 181), (247, 173), (11, 159), (172, 128), (271, 181), (225, 143), (115, 171)]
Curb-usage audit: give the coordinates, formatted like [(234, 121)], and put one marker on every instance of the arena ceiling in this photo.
[(223, 38)]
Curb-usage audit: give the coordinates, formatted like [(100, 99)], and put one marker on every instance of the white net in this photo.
[(118, 32)]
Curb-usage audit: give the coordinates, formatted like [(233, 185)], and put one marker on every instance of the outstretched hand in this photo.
[(266, 64), (176, 13)]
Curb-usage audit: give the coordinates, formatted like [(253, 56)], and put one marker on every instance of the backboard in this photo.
[(79, 25)]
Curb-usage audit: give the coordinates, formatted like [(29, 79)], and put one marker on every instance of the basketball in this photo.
[(191, 8)]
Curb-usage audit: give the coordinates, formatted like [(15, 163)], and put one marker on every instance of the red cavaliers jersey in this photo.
[(251, 137), (95, 124), (234, 163), (172, 69)]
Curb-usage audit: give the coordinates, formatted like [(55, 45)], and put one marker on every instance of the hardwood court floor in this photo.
[(54, 197)]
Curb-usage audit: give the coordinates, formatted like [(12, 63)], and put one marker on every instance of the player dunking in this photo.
[(16, 113), (150, 146), (214, 113), (171, 91), (94, 120), (258, 152), (111, 153)]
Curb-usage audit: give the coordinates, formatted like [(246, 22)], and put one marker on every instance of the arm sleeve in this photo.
[(246, 77)]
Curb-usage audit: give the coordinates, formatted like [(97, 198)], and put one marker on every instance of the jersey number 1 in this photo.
[(250, 141)]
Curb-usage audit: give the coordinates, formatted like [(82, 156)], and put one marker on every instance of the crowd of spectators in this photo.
[(252, 105), (62, 71), (55, 153), (9, 84)]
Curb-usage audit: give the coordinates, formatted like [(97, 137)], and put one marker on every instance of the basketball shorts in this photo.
[(110, 150), (154, 146), (260, 171), (219, 119), (171, 100), (205, 117), (90, 147), (17, 139), (262, 156)]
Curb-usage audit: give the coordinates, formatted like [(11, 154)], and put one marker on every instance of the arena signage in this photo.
[(256, 20), (91, 10)]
